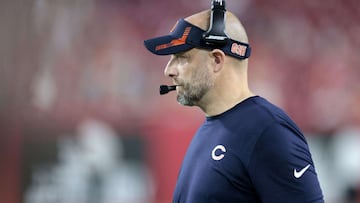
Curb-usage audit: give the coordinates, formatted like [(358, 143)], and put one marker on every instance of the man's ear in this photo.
[(218, 57)]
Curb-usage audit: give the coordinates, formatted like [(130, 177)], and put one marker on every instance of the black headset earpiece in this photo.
[(216, 36)]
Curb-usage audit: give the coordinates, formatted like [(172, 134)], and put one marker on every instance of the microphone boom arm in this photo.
[(164, 89)]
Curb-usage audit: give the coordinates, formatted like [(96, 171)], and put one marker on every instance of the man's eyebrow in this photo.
[(180, 54)]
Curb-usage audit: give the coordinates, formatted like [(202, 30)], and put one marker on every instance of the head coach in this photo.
[(247, 150)]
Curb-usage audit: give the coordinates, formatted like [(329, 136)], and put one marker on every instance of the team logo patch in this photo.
[(218, 152)]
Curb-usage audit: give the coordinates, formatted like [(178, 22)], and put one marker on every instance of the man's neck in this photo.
[(222, 102)]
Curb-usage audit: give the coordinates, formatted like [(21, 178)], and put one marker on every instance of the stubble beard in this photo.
[(193, 91)]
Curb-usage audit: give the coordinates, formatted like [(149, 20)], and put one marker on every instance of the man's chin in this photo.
[(183, 100)]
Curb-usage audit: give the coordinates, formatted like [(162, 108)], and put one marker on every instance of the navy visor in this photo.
[(185, 36)]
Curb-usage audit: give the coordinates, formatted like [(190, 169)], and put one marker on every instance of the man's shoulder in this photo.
[(255, 115), (257, 110), (262, 110)]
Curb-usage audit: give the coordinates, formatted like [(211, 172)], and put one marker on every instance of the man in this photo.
[(247, 150)]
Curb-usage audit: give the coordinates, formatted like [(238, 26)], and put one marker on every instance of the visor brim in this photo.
[(163, 45)]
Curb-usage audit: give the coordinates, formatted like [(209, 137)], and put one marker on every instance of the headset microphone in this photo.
[(164, 89)]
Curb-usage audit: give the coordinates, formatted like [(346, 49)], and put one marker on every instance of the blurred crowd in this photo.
[(62, 62)]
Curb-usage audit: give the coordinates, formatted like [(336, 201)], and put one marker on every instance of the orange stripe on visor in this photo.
[(175, 42)]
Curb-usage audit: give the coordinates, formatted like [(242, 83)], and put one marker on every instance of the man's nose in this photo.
[(170, 70)]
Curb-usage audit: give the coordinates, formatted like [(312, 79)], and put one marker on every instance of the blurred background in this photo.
[(81, 119)]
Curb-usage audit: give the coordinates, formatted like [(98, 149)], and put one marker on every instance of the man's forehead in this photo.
[(188, 52), (191, 52)]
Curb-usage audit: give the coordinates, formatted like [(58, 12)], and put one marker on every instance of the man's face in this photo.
[(190, 70)]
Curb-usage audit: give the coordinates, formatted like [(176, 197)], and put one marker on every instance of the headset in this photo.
[(215, 35)]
